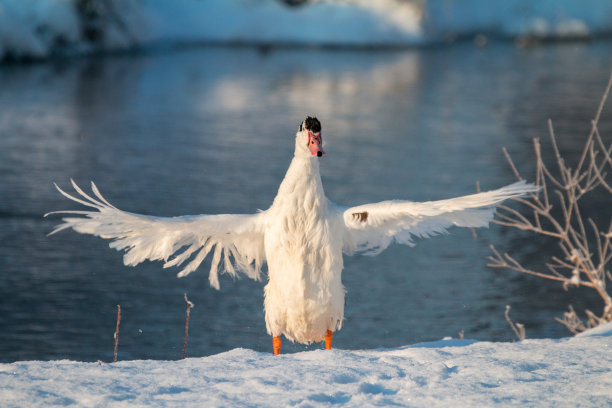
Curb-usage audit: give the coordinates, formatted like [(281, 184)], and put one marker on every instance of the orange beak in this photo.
[(315, 144)]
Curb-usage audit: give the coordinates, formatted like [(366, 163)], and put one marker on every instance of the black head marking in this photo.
[(312, 124)]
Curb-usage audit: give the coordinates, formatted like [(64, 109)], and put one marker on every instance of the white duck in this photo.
[(302, 237)]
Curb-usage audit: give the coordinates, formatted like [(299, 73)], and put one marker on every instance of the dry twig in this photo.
[(517, 328), (117, 333), (189, 306)]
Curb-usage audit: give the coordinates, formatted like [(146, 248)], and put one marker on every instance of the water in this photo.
[(211, 131)]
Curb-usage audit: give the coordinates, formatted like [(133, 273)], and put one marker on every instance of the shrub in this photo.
[(585, 247)]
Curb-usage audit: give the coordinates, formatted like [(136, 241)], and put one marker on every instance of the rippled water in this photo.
[(211, 131)]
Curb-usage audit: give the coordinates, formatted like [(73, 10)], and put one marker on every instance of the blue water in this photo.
[(211, 130)]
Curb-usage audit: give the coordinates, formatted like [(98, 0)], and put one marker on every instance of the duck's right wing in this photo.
[(232, 236)]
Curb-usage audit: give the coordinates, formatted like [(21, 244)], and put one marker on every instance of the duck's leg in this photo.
[(276, 344), (328, 339)]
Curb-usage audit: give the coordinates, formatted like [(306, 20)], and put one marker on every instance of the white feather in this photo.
[(158, 238), (401, 221)]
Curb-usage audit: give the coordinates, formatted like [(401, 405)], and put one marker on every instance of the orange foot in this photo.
[(328, 339), (276, 344)]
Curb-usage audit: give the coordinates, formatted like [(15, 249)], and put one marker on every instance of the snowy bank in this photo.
[(574, 372), (40, 28)]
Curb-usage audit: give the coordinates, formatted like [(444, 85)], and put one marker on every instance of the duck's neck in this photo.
[(302, 181)]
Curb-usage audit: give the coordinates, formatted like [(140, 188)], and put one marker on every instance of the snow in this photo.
[(269, 21), (571, 372), (40, 28), (520, 18)]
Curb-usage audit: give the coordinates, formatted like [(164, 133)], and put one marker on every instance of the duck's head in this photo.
[(308, 140)]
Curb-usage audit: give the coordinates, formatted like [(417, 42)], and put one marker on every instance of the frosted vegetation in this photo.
[(585, 246), (34, 29)]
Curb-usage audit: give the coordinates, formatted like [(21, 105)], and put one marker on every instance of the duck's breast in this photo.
[(304, 296)]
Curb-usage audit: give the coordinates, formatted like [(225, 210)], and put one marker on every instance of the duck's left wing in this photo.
[(371, 228), (229, 237)]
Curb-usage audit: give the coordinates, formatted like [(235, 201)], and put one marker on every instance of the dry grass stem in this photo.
[(517, 328), (117, 333), (189, 306)]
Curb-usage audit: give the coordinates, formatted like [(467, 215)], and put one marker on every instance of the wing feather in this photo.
[(371, 228), (237, 239)]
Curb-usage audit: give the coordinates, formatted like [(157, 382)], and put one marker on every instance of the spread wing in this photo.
[(239, 237), (371, 228)]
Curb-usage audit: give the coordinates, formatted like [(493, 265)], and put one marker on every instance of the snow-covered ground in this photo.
[(571, 372), (39, 28)]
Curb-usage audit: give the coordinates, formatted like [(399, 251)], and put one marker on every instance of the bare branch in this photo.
[(572, 321), (507, 262), (603, 100), (116, 335), (512, 166), (517, 328), (189, 306), (543, 167)]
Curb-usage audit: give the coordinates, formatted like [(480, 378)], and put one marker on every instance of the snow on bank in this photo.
[(336, 22), (520, 18), (575, 372), (39, 28), (30, 28)]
